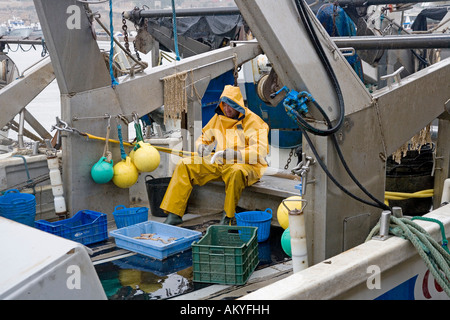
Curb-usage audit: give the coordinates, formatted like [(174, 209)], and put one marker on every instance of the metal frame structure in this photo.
[(374, 126), (23, 90), (86, 91)]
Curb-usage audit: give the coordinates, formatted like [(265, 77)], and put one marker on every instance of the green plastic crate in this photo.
[(225, 255)]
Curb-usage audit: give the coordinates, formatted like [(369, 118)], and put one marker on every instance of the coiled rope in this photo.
[(434, 255), (441, 226)]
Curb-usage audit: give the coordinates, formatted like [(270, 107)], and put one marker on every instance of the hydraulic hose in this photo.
[(377, 203), (300, 4), (304, 126)]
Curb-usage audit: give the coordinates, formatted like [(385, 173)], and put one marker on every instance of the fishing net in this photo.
[(420, 139), (175, 98)]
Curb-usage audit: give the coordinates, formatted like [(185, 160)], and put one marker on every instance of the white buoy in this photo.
[(298, 240), (57, 186), (446, 191)]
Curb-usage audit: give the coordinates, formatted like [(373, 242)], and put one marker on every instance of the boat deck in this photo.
[(133, 274)]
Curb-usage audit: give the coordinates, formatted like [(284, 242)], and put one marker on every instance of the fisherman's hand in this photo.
[(203, 150), (231, 154)]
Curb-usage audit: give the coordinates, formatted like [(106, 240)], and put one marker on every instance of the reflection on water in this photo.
[(139, 277), (130, 284)]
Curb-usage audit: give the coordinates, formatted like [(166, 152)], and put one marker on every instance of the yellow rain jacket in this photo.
[(247, 133)]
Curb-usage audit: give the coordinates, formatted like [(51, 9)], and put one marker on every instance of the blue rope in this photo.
[(175, 37), (123, 155), (111, 51)]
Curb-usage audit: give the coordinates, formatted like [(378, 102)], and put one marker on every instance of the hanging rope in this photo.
[(106, 153), (436, 258), (175, 37), (137, 128), (122, 149), (111, 50)]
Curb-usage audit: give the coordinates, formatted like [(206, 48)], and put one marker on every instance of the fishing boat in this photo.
[(342, 109)]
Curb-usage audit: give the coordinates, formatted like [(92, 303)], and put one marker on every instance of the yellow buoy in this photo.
[(282, 212), (146, 158), (125, 173)]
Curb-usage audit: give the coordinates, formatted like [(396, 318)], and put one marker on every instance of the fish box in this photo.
[(155, 239), (225, 255), (85, 227)]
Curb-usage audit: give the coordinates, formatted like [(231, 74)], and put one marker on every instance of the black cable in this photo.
[(377, 203), (330, 176), (304, 126), (344, 163), (322, 56), (423, 62)]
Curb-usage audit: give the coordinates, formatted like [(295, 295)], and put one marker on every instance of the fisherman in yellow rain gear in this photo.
[(240, 138)]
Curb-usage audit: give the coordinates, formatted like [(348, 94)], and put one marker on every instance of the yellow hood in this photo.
[(232, 96)]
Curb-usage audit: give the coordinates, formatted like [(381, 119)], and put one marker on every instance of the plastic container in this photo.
[(156, 189), (85, 227), (20, 207), (182, 239), (225, 255), (125, 217), (259, 219)]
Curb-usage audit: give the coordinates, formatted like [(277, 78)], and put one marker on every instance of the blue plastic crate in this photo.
[(182, 239), (85, 226), (125, 217)]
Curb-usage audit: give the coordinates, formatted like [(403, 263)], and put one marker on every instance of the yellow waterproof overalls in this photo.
[(248, 134)]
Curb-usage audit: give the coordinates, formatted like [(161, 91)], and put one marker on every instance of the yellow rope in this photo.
[(390, 195), (180, 153)]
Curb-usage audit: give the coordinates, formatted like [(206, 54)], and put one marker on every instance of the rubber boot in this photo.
[(225, 221), (173, 219)]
